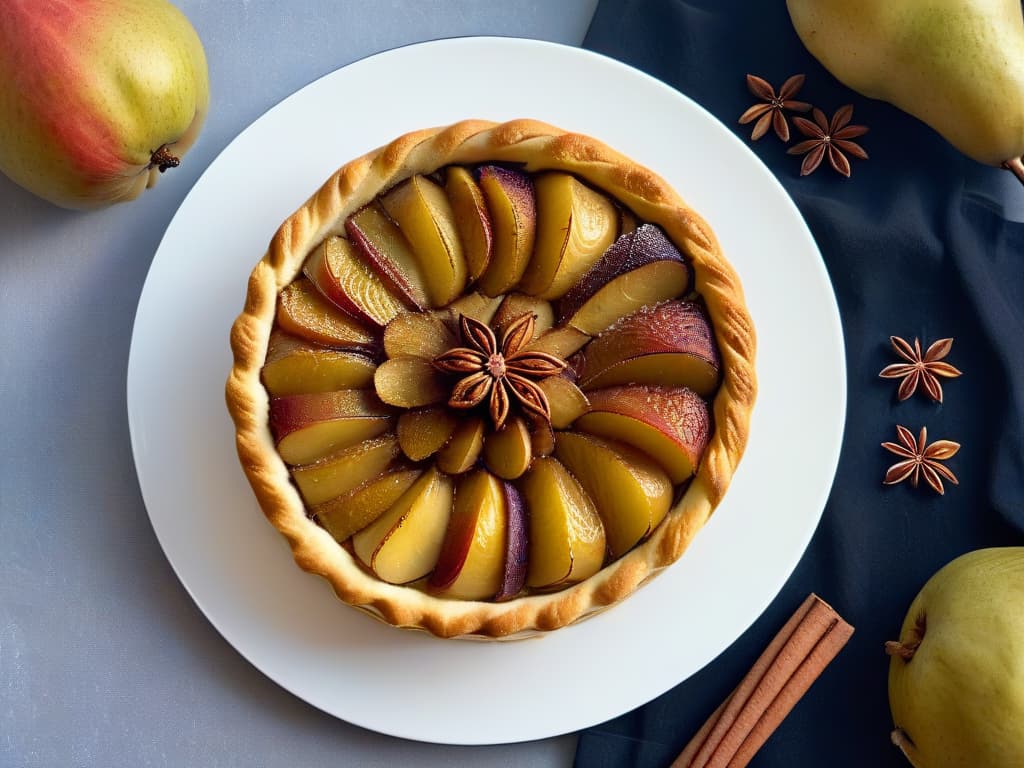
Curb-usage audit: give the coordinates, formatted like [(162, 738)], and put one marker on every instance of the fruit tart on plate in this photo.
[(491, 378)]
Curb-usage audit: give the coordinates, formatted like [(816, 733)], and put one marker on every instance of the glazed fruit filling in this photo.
[(495, 383)]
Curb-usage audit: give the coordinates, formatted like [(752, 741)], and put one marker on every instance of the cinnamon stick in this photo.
[(792, 661)]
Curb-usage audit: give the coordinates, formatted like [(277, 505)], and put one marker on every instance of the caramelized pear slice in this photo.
[(513, 211), (463, 449), (383, 246), (669, 424), (471, 219), (423, 334), (567, 538), (516, 545), (403, 544), (345, 280), (294, 367), (565, 399), (474, 305), (561, 342), (409, 382), (344, 515), (508, 451), (423, 432), (342, 471), (631, 492), (302, 311), (515, 305), (670, 344), (472, 559), (575, 225), (310, 426), (422, 211)]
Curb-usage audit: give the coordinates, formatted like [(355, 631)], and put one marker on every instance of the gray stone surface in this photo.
[(104, 659)]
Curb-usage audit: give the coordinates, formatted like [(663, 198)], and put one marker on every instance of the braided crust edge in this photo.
[(536, 146)]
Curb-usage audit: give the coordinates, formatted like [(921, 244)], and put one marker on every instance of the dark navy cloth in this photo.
[(919, 242)]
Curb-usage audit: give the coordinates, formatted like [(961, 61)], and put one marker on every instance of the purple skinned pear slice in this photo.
[(512, 206), (517, 545)]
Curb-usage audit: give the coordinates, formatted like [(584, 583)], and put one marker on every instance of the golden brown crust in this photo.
[(538, 147)]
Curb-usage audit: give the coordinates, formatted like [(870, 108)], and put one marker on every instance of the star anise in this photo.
[(923, 369), (831, 138), (919, 458), (771, 111), (500, 373)]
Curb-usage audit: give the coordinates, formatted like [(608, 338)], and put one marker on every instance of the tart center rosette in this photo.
[(513, 438)]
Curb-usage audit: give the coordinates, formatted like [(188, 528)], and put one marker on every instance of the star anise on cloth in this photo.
[(770, 113), (830, 138), (923, 369), (919, 459), (502, 373)]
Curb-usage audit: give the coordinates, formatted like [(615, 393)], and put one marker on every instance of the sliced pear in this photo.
[(403, 544), (566, 400), (345, 280), (472, 560), (517, 549), (471, 218), (575, 225), (302, 311), (513, 211), (344, 515), (562, 342), (310, 426), (423, 432), (508, 451), (631, 492), (474, 305), (342, 471), (409, 382), (464, 447), (383, 246), (423, 334), (422, 211), (515, 305), (294, 367), (567, 538)]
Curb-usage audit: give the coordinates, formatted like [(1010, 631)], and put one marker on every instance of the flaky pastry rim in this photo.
[(534, 146)]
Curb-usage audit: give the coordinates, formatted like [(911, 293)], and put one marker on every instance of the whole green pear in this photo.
[(956, 677), (958, 65), (97, 97)]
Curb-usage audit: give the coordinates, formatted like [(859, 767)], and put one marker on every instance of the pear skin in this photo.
[(958, 65), (956, 676)]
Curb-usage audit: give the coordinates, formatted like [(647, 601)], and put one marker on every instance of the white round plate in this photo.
[(288, 623)]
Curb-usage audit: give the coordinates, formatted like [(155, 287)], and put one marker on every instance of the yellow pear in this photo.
[(958, 65), (956, 677)]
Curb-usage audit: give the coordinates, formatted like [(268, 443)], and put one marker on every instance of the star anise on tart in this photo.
[(771, 111), (921, 368), (920, 459), (828, 137), (499, 372)]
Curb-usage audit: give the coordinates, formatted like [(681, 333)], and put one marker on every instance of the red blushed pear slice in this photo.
[(515, 305), (566, 536), (409, 382), (471, 219), (295, 367), (513, 211), (517, 543), (669, 424), (566, 400), (423, 334), (463, 449), (404, 543), (346, 281), (670, 344), (311, 426), (302, 311), (472, 560), (382, 245), (631, 492), (575, 225), (640, 269), (342, 471), (424, 431), (344, 515), (508, 451), (421, 209)]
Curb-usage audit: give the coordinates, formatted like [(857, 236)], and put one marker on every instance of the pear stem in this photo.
[(1015, 165), (163, 159), (905, 651), (900, 739)]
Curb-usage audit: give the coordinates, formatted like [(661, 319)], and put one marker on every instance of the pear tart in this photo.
[(491, 378)]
